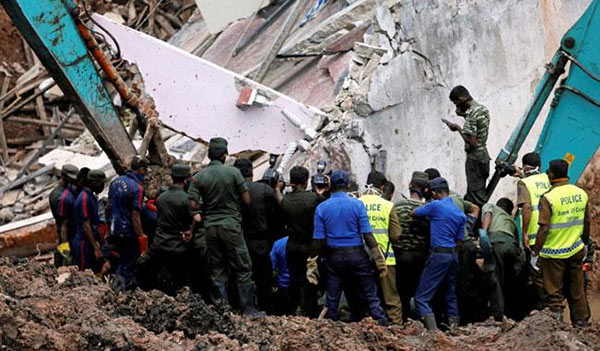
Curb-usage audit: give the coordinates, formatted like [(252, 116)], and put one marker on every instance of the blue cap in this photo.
[(340, 179), (438, 183)]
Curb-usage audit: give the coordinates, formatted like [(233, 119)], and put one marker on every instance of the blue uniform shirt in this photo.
[(279, 262), (86, 208), (66, 210), (341, 221), (125, 195), (447, 222)]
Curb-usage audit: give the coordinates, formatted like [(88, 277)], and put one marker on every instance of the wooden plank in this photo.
[(288, 25), (38, 122), (25, 179), (39, 100), (50, 139), (3, 143)]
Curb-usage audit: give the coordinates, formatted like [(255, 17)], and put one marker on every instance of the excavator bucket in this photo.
[(49, 29)]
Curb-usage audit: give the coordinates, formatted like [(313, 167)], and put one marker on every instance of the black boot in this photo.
[(247, 301), (429, 321), (219, 294), (453, 323)]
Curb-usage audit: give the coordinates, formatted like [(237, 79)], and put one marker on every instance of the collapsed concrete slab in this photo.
[(199, 97), (29, 236)]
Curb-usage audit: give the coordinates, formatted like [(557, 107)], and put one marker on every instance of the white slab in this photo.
[(199, 97), (218, 14)]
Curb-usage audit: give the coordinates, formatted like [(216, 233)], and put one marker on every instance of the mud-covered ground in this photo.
[(45, 309)]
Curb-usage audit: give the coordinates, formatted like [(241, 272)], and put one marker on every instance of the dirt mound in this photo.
[(42, 308)]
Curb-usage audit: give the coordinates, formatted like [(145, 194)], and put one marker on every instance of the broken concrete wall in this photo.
[(497, 49)]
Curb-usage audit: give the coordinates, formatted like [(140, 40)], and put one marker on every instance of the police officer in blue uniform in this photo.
[(341, 229), (441, 269)]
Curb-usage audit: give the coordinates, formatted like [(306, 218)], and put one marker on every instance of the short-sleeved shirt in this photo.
[(54, 200), (299, 213), (279, 262), (502, 222), (174, 217), (341, 221), (447, 222), (255, 221), (477, 123), (415, 231), (66, 210), (126, 194), (218, 189), (465, 205), (86, 209)]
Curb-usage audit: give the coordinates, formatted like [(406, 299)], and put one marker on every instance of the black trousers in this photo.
[(301, 291), (409, 266)]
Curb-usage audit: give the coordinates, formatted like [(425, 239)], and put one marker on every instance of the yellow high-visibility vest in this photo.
[(568, 203), (537, 185), (378, 210)]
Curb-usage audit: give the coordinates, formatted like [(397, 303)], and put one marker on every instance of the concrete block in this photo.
[(199, 97)]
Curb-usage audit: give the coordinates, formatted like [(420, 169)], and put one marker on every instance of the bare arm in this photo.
[(370, 240), (474, 211), (246, 198), (136, 221), (586, 225), (486, 221), (63, 230), (89, 235)]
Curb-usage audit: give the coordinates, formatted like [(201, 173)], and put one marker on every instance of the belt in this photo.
[(332, 250), (447, 250)]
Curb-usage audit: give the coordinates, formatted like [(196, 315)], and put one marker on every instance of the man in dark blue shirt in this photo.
[(447, 227), (341, 225), (87, 241), (125, 202)]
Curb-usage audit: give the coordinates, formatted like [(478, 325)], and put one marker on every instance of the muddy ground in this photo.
[(45, 309)]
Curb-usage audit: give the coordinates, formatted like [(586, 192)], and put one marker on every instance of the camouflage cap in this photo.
[(217, 142), (69, 171), (419, 178), (96, 175), (180, 170)]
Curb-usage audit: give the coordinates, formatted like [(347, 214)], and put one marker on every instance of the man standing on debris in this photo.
[(530, 189), (125, 201), (87, 244), (341, 229), (299, 208), (475, 133), (564, 221), (386, 230), (68, 175), (218, 190), (502, 258), (174, 229), (447, 228), (263, 200), (412, 247)]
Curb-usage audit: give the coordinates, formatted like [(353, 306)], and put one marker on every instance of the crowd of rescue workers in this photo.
[(319, 247)]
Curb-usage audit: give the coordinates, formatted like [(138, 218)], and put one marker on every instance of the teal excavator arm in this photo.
[(69, 51), (572, 129)]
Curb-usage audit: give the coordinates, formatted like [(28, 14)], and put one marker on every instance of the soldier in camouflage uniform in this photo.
[(475, 134), (412, 248)]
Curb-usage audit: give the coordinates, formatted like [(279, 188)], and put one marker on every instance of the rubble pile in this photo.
[(42, 308)]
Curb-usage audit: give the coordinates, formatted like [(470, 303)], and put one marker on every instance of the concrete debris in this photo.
[(366, 51), (186, 105)]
